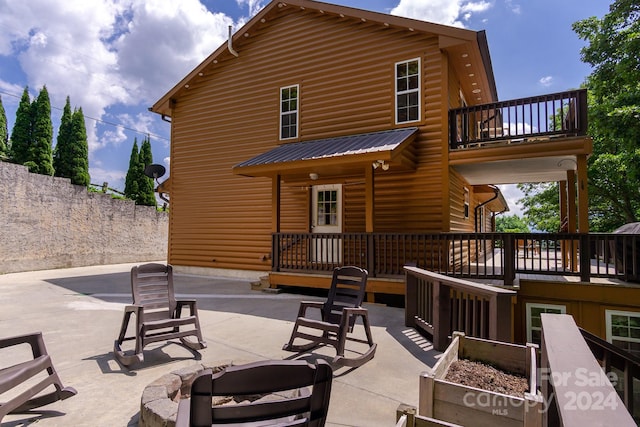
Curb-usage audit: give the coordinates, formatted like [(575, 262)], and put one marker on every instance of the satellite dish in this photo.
[(154, 171)]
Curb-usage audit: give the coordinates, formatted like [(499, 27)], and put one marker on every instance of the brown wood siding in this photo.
[(345, 69), (587, 303), (456, 196)]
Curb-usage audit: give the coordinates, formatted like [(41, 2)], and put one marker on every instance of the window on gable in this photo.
[(408, 91), (289, 112)]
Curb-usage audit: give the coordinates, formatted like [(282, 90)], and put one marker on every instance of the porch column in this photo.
[(583, 195), (571, 199), (369, 198), (369, 203), (571, 206), (562, 186), (275, 204)]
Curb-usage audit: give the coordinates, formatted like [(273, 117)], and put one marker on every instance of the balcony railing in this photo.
[(463, 255), (517, 120)]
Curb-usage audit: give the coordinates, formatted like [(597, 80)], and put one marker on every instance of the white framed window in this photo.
[(466, 203), (408, 99), (623, 330), (534, 321), (289, 101)]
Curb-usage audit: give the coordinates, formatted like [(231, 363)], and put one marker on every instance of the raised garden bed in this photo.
[(497, 366)]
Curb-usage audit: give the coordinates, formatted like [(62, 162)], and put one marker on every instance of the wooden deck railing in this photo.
[(440, 305), (464, 255), (545, 116), (624, 365), (577, 391)]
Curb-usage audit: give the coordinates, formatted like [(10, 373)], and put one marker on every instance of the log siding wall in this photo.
[(345, 69)]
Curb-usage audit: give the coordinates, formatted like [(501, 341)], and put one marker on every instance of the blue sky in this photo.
[(115, 58)]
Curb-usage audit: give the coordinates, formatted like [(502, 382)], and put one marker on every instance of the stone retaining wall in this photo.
[(47, 222)]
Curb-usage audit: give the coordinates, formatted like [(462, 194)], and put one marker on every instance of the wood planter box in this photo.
[(469, 406)]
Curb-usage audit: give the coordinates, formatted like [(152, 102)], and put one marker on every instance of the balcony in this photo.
[(537, 118)]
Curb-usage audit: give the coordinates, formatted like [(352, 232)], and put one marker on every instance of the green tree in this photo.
[(79, 151), (541, 206), (132, 180), (511, 224), (71, 155), (613, 49), (21, 132), (61, 153), (4, 133), (147, 195), (40, 152)]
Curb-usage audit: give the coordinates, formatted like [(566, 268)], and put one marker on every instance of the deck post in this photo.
[(509, 267), (585, 258), (410, 299), (441, 315)]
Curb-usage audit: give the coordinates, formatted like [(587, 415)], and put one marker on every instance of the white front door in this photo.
[(326, 217)]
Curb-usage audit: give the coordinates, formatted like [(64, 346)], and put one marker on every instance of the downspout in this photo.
[(230, 42), (496, 191)]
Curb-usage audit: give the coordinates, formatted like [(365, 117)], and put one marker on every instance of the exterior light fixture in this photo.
[(380, 163), (313, 176)]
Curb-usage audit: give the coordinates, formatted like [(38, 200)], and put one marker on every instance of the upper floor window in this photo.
[(408, 91), (289, 112)]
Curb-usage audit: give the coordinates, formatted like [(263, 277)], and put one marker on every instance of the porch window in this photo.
[(408, 91), (623, 330), (327, 206), (534, 321), (289, 112)]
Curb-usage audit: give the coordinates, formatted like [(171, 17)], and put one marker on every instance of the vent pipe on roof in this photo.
[(230, 42)]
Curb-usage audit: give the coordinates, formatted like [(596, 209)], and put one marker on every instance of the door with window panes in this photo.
[(326, 218)]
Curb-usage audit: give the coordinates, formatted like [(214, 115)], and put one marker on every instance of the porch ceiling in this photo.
[(344, 155), (546, 161)]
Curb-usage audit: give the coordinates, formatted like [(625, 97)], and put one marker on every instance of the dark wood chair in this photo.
[(27, 376), (158, 313), (273, 390), (338, 315)]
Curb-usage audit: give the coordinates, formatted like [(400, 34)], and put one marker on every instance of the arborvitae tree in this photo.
[(147, 196), (79, 150), (62, 159), (131, 182), (4, 133), (41, 153), (71, 155), (21, 133)]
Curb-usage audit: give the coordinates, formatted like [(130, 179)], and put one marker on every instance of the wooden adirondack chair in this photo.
[(158, 313), (338, 317), (289, 402), (28, 375)]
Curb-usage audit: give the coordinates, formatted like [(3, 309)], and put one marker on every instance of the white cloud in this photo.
[(546, 81), (512, 195), (254, 5), (515, 8), (447, 12), (107, 53)]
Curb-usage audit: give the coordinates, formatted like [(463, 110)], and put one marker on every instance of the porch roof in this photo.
[(331, 155)]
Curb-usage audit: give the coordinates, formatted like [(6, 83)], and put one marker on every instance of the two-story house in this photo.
[(322, 135)]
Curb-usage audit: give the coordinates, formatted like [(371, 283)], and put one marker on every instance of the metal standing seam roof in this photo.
[(332, 147)]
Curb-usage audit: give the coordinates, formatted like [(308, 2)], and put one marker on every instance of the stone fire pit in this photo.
[(159, 403)]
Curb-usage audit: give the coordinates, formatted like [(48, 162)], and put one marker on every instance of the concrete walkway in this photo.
[(79, 312)]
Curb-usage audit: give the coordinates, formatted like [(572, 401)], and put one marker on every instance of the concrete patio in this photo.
[(79, 312)]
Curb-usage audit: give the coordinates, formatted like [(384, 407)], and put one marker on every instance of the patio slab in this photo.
[(79, 312)]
